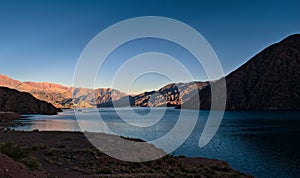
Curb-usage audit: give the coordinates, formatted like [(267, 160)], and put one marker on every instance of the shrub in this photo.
[(105, 170), (33, 164), (20, 154), (13, 151)]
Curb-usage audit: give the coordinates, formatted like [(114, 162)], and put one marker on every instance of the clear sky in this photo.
[(41, 40)]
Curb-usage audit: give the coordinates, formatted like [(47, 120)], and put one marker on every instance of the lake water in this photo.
[(263, 144)]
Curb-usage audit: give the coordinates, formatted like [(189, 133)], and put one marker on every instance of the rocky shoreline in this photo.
[(9, 116), (6, 119)]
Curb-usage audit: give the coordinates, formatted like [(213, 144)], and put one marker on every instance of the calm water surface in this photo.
[(263, 144)]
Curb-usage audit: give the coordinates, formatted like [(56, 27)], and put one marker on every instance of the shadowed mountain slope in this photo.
[(20, 102), (270, 80)]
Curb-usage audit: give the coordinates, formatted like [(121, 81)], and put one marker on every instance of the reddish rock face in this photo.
[(61, 96), (20, 102), (270, 80)]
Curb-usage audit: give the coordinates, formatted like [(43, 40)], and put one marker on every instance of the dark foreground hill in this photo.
[(20, 102), (270, 80)]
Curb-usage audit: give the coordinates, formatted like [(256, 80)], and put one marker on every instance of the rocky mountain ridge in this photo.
[(270, 80), (173, 94), (61, 96)]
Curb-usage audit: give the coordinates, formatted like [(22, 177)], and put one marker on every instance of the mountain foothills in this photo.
[(61, 96), (270, 80), (21, 102)]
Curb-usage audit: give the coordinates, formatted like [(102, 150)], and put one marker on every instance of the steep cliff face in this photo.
[(270, 80), (20, 102)]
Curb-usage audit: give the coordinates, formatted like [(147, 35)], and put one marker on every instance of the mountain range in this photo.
[(269, 80), (61, 96)]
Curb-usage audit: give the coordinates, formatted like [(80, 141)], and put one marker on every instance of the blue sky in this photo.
[(42, 40)]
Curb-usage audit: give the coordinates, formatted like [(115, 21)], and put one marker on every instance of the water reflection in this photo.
[(51, 125)]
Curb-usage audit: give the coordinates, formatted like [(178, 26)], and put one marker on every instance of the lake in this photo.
[(263, 144)]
